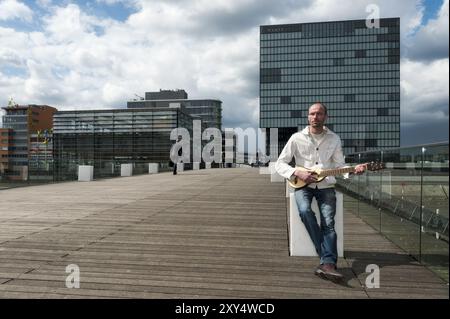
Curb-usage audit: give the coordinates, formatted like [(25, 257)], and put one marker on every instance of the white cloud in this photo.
[(12, 9), (10, 57), (69, 24), (424, 91), (44, 3), (127, 3), (431, 40), (111, 93)]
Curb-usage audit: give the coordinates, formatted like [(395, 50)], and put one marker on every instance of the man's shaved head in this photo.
[(322, 106)]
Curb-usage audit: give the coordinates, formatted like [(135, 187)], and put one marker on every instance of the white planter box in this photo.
[(126, 169), (153, 168), (85, 173)]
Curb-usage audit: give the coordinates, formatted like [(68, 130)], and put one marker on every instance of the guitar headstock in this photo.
[(375, 166)]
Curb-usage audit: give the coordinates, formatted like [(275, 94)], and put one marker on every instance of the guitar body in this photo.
[(298, 183), (321, 174)]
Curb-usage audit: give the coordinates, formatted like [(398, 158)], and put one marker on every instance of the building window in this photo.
[(338, 61), (271, 75), (394, 97), (393, 59), (285, 100), (296, 113), (382, 112), (349, 97), (360, 53)]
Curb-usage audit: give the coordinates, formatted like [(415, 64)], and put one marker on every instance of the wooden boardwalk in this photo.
[(217, 233)]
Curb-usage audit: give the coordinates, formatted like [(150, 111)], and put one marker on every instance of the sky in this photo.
[(99, 54)]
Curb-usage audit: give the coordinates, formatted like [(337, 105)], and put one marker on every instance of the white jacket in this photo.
[(326, 155)]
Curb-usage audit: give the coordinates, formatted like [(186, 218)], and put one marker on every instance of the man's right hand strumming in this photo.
[(307, 177)]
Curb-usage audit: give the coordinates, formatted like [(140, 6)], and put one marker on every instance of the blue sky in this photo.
[(100, 53), (431, 10), (119, 11)]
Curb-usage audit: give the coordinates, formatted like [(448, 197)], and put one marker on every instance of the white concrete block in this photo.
[(272, 167), (180, 167), (208, 165), (300, 244), (196, 166), (289, 189), (153, 168), (24, 173), (85, 173), (276, 178), (126, 169)]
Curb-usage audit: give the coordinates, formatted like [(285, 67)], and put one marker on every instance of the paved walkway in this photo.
[(217, 233)]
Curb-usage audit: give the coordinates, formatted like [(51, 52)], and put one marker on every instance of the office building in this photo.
[(5, 142), (354, 70), (106, 139), (208, 110), (21, 125)]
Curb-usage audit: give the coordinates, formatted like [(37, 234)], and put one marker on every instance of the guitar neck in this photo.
[(337, 171)]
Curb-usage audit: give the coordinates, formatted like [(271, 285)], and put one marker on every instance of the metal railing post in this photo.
[(381, 192), (421, 204), (359, 182)]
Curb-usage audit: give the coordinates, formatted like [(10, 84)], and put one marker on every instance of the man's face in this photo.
[(316, 116)]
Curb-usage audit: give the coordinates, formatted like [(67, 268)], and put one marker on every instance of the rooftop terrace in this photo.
[(217, 233)]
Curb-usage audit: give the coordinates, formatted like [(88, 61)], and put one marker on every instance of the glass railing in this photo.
[(407, 201)]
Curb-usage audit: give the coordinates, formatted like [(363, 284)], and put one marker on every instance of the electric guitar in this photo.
[(320, 174)]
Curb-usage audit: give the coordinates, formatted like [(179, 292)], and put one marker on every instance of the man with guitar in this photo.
[(316, 148)]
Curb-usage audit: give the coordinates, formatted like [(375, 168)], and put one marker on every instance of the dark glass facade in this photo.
[(108, 138), (208, 110), (352, 69)]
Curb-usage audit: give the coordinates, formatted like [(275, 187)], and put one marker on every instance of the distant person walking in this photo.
[(180, 153)]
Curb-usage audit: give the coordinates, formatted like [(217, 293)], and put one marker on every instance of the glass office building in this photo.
[(22, 152), (107, 138), (354, 70), (208, 110)]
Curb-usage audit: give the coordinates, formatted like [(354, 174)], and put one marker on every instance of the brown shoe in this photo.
[(329, 272)]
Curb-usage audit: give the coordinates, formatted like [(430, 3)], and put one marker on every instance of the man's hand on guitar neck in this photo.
[(307, 177), (361, 168)]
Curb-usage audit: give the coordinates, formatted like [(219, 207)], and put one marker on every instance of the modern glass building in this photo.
[(354, 70), (107, 138), (208, 110), (21, 150)]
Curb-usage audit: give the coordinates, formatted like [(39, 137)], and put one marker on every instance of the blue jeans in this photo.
[(323, 237)]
